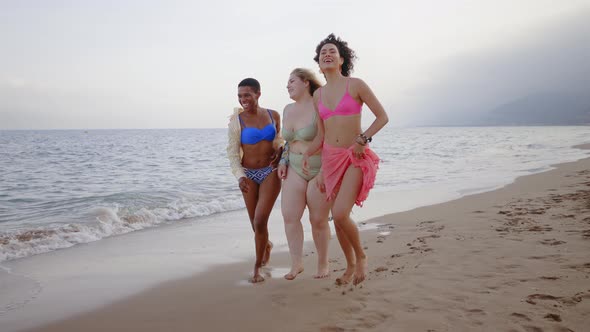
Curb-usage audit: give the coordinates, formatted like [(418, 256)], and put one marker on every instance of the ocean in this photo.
[(62, 188)]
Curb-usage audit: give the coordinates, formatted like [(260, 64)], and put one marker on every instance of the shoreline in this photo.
[(414, 177), (423, 269)]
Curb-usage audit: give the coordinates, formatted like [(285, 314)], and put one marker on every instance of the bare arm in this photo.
[(278, 142), (284, 161), (318, 141), (368, 97)]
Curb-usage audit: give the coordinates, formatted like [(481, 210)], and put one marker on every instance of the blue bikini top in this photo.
[(253, 135)]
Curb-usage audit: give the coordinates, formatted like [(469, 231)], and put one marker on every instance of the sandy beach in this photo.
[(513, 259)]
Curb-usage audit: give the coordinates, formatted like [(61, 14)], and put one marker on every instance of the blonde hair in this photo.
[(307, 75)]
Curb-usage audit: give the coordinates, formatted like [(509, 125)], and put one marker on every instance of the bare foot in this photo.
[(360, 271), (257, 277), (293, 273), (323, 271), (346, 276), (266, 256)]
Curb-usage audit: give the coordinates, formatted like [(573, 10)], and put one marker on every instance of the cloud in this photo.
[(554, 58)]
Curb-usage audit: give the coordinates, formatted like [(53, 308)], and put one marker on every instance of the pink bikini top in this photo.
[(346, 106)]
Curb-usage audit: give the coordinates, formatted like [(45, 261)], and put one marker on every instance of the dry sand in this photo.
[(514, 259)]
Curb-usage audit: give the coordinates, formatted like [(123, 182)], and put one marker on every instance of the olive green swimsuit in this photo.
[(307, 134)]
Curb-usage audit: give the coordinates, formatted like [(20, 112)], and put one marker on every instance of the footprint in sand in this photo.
[(476, 312), (550, 278), (512, 266), (539, 229), (553, 317), (386, 226), (552, 242), (520, 316), (555, 258), (563, 216), (355, 309), (381, 269), (332, 329), (533, 298), (422, 239), (562, 329), (436, 229), (427, 222), (579, 267), (569, 301)]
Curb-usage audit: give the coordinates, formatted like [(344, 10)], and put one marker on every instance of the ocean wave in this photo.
[(103, 222)]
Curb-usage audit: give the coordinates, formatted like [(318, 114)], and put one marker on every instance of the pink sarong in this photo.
[(335, 162)]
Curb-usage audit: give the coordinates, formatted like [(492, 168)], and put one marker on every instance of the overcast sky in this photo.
[(176, 64)]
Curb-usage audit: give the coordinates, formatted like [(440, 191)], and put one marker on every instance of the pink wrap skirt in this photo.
[(335, 162)]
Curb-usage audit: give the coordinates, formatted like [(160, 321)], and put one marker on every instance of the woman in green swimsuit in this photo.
[(300, 190)]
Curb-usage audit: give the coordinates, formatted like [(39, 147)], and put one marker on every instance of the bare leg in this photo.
[(319, 209), (267, 250), (267, 195), (251, 200), (346, 277), (343, 204), (292, 207)]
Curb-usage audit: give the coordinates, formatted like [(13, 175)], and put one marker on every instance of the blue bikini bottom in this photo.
[(258, 174)]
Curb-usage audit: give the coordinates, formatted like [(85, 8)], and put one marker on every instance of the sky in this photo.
[(176, 64)]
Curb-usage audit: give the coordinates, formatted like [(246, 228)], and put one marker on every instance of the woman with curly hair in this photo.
[(253, 149), (299, 189), (349, 167)]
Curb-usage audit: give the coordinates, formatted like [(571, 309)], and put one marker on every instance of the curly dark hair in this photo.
[(345, 52)]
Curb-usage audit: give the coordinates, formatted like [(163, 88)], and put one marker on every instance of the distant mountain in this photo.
[(545, 109), (540, 109)]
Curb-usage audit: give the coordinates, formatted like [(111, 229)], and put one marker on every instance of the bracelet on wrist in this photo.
[(365, 138)]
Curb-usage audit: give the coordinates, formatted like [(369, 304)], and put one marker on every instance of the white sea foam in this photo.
[(105, 222)]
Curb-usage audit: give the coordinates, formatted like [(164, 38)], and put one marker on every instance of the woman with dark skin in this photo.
[(348, 166), (253, 150)]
